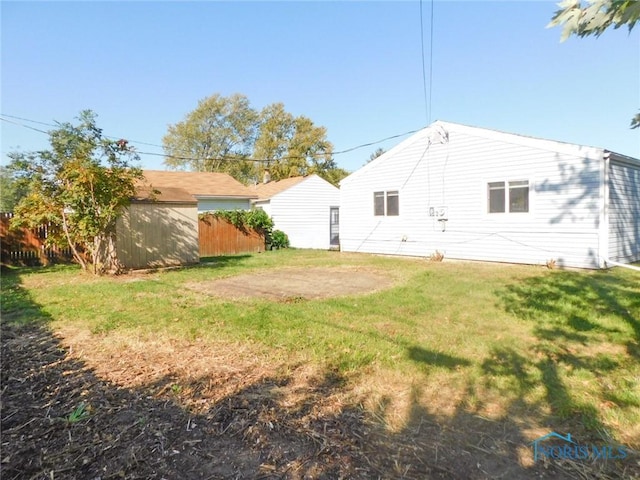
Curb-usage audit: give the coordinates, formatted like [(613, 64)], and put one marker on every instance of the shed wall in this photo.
[(158, 234)]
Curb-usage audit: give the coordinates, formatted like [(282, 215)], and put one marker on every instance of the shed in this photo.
[(478, 194), (158, 229), (305, 208), (212, 190)]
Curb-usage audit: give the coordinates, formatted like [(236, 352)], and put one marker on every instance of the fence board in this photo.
[(219, 237), (28, 246)]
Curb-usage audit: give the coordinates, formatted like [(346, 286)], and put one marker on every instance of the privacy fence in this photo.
[(219, 237), (28, 246), (159, 238)]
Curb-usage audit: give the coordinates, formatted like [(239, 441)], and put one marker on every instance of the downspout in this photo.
[(603, 219), (623, 265)]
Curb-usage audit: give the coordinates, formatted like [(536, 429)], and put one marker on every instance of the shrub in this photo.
[(278, 239)]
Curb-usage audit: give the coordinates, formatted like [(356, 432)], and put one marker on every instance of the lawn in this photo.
[(473, 358)]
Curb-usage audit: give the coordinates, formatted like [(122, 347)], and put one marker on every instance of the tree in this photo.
[(227, 135), (11, 190), (80, 186), (379, 151), (593, 18), (217, 136)]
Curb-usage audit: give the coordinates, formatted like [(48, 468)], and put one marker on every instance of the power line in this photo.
[(23, 125), (223, 158), (427, 98)]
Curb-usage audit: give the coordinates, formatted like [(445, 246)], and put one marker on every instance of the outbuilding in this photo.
[(305, 208)]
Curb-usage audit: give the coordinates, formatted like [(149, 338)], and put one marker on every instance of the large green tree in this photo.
[(224, 134), (593, 18), (80, 186), (217, 136)]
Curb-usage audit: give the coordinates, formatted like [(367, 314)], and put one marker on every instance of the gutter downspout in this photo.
[(603, 218), (623, 265)]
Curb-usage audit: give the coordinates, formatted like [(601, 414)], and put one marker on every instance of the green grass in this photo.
[(550, 347)]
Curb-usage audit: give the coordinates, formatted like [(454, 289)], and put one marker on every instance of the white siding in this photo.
[(210, 205), (562, 222), (302, 212), (624, 212)]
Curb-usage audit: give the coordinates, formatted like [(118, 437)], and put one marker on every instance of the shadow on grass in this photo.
[(257, 431), (222, 261), (582, 322)]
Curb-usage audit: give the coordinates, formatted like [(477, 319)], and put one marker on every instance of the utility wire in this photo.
[(427, 98), (224, 158)]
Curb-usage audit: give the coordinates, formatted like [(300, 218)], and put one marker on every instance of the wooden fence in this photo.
[(28, 246), (219, 237)]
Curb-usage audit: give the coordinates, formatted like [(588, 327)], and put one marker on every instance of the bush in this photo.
[(278, 239)]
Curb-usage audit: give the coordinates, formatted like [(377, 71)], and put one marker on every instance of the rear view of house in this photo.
[(478, 194), (305, 208)]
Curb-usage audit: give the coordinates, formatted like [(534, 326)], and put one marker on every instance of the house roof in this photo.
[(199, 184), (145, 193), (438, 132), (268, 190)]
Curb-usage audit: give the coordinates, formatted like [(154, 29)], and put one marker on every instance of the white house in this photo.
[(212, 190), (478, 194), (305, 208)]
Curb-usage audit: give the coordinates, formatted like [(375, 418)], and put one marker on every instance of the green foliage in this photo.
[(278, 239), (12, 190), (594, 17), (80, 413), (215, 137), (256, 219), (225, 134), (81, 185)]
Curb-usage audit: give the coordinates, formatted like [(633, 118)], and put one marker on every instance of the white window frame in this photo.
[(507, 182), (385, 196)]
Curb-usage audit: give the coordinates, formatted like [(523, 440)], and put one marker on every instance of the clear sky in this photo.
[(353, 67)]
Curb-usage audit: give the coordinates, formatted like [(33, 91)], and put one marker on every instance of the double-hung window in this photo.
[(508, 197), (386, 203)]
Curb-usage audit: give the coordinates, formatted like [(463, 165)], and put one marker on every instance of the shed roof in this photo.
[(199, 184), (145, 193), (267, 190)]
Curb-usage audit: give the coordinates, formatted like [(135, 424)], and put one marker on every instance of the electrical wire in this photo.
[(223, 158), (427, 98)]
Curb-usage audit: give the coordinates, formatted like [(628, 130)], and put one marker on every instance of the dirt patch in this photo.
[(289, 284)]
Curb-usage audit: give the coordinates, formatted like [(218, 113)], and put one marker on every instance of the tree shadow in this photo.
[(579, 322), (267, 428)]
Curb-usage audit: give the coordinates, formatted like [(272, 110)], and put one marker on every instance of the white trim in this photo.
[(603, 218)]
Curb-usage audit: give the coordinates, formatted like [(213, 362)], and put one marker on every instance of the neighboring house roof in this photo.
[(199, 184), (267, 190), (146, 194)]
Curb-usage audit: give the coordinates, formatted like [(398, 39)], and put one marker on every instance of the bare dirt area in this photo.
[(297, 283), (137, 409)]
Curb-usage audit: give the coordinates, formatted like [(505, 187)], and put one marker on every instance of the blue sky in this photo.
[(352, 67)]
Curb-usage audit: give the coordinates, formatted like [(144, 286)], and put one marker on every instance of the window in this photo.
[(393, 204), (386, 203), (496, 197), (517, 201), (378, 203)]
